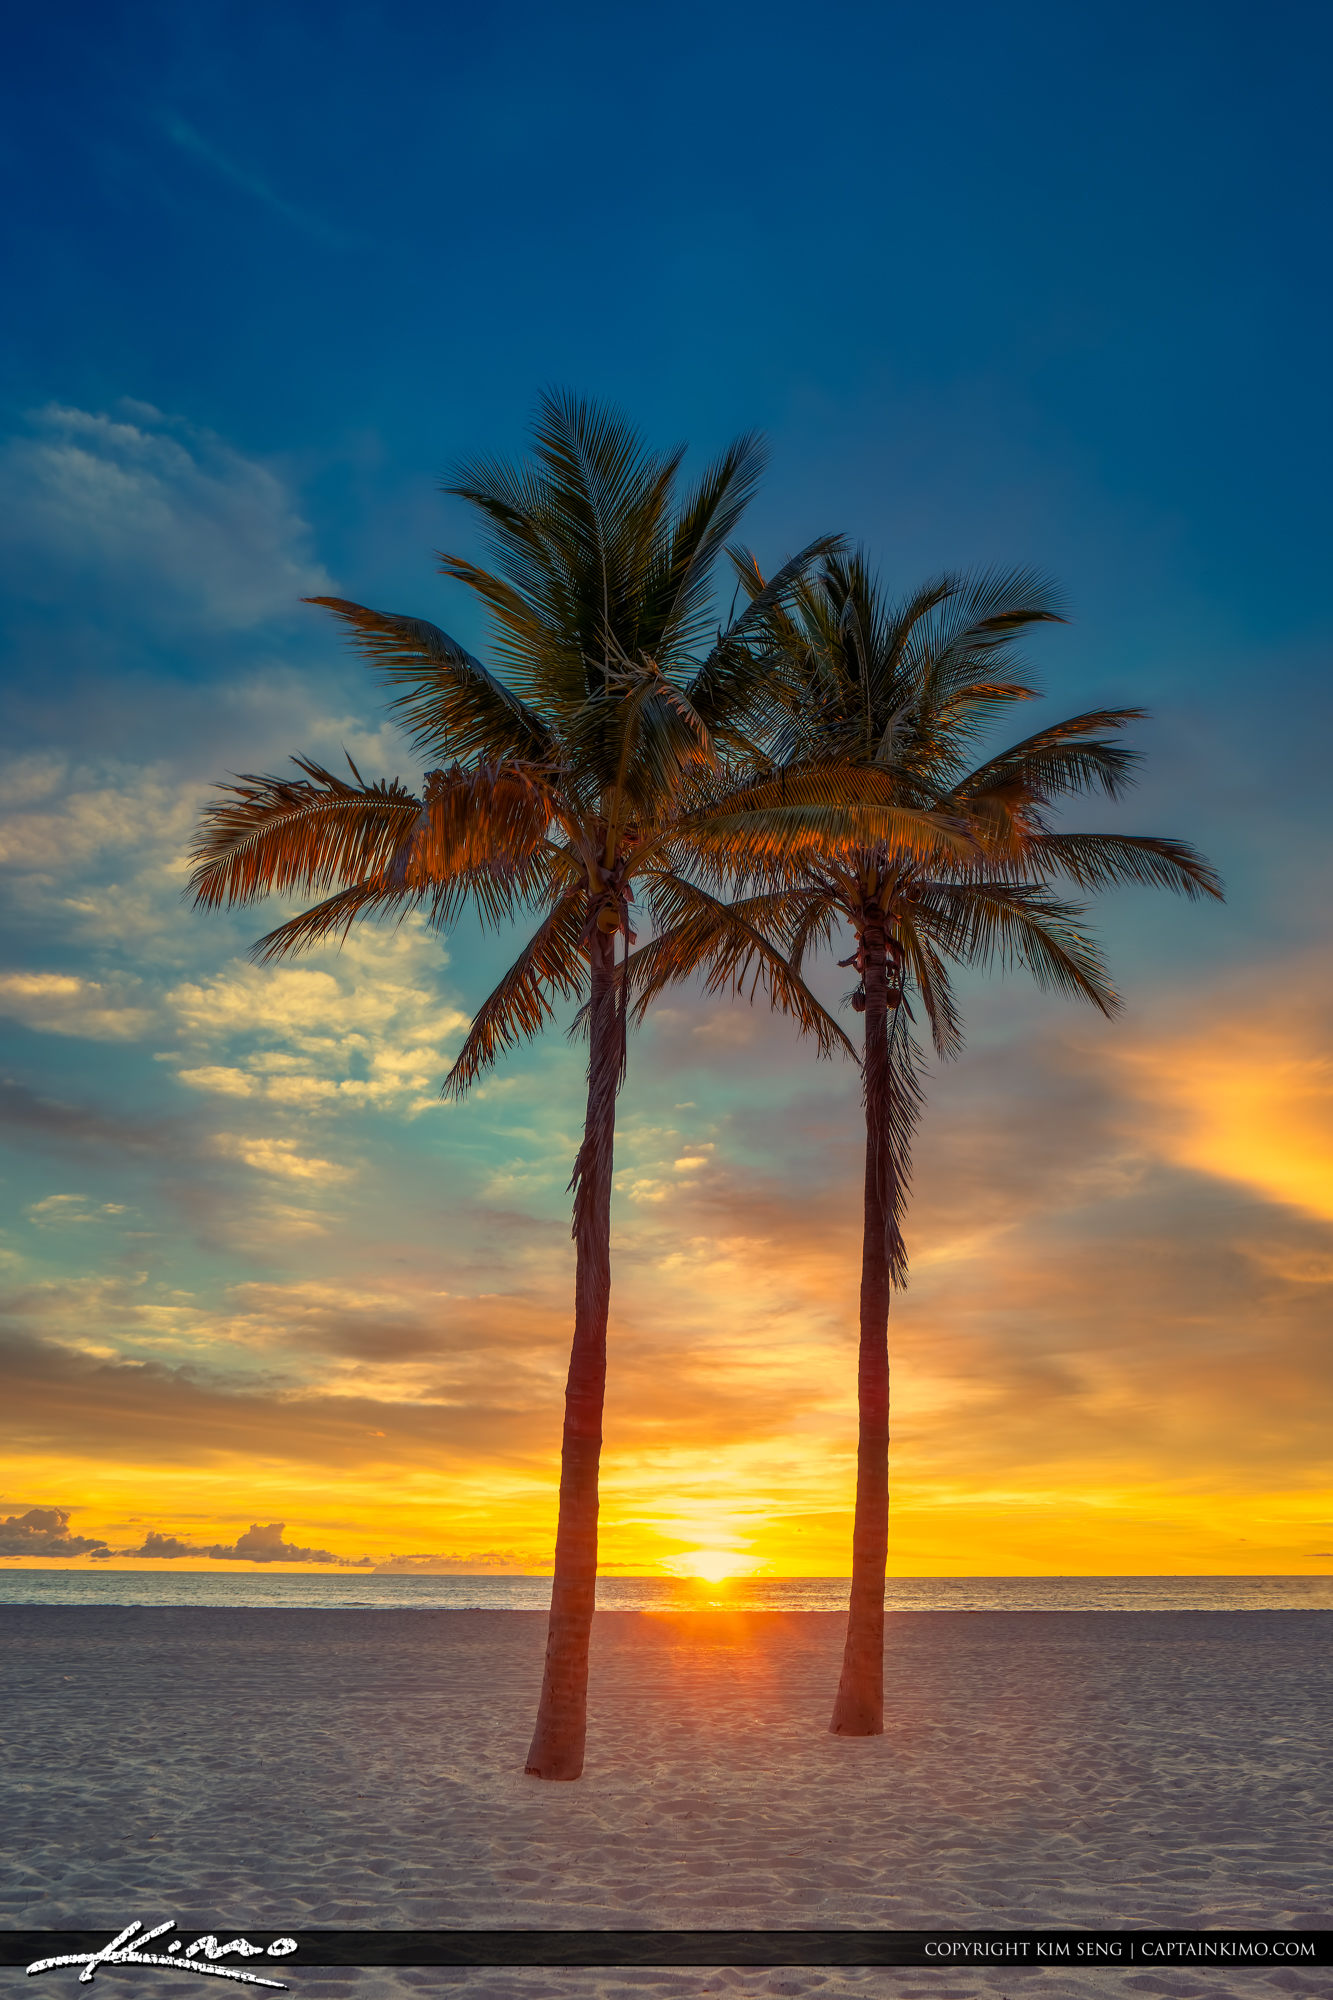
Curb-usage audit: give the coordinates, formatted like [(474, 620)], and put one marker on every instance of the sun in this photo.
[(711, 1565)]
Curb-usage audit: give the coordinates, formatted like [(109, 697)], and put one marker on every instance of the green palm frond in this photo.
[(926, 972), (450, 705), (598, 560), (1063, 759), (1016, 924), (678, 596), (891, 1151), (332, 920), (552, 962), (742, 690), (639, 740), (728, 944), (574, 527), (907, 684), (1106, 860)]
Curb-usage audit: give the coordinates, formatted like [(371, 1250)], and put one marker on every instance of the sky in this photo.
[(1033, 284)]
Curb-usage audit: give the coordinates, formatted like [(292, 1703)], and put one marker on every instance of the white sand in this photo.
[(364, 1769)]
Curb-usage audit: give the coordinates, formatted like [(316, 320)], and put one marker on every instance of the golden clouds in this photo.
[(1247, 1095), (278, 1157), (1112, 1357)]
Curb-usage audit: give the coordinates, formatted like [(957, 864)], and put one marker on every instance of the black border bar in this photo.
[(665, 1949)]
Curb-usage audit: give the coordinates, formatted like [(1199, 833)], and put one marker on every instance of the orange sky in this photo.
[(1112, 1357)]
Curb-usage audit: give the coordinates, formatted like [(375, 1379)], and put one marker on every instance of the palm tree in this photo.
[(601, 760), (903, 690)]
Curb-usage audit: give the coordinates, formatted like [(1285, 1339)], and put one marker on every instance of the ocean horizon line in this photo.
[(366, 1590), (352, 1572)]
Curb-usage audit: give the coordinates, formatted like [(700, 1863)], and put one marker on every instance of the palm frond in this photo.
[(451, 705), (274, 835), (927, 970), (332, 920), (742, 685), (890, 1151), (677, 595), (480, 818), (1106, 860), (581, 534), (727, 945), (1064, 758), (551, 963), (799, 817), (1006, 923)]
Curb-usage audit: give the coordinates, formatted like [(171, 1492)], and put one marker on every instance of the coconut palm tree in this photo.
[(904, 690), (601, 760)]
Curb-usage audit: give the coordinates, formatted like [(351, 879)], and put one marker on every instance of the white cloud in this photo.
[(97, 853), (365, 1028), (153, 514), (55, 817), (59, 1003)]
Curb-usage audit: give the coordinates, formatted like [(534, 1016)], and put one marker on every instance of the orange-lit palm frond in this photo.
[(552, 962), (479, 818), (764, 833), (283, 835)]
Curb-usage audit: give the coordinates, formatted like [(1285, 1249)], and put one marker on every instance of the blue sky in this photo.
[(1024, 285)]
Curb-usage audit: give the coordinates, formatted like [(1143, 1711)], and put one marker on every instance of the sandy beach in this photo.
[(364, 1769)]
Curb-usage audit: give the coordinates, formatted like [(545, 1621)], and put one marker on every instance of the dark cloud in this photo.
[(44, 1531), (76, 1127), (497, 1561), (258, 1544), (407, 1325), (163, 1546)]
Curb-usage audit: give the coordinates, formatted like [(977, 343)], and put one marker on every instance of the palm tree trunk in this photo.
[(859, 1708), (558, 1740)]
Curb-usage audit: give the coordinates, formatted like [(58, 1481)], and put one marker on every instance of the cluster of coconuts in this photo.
[(894, 997)]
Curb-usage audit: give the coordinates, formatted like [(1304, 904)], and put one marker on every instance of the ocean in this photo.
[(366, 1591)]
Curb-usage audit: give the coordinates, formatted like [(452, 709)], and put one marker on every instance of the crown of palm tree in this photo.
[(901, 692), (604, 758)]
